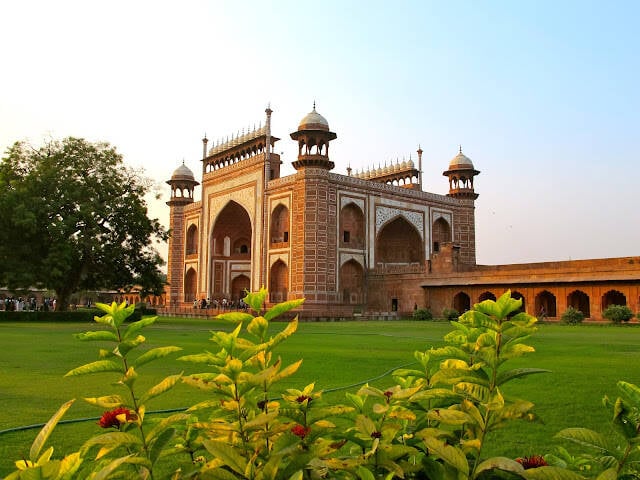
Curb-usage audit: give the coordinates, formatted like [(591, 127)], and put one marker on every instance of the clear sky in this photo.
[(543, 96)]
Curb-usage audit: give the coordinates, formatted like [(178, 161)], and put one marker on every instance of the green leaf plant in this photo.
[(434, 422), (618, 457), (134, 446)]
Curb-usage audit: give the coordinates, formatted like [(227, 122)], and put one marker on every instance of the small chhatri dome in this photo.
[(182, 173), (314, 121), (460, 162)]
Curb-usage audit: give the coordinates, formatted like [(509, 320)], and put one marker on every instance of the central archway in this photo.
[(231, 245), (399, 243)]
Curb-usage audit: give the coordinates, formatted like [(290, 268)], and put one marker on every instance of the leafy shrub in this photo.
[(422, 314), (617, 313), (434, 422), (572, 316), (450, 314)]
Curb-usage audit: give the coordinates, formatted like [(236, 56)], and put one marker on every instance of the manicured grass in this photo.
[(585, 363)]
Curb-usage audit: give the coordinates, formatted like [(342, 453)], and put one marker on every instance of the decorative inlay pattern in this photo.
[(384, 214), (435, 215), (345, 257), (344, 200)]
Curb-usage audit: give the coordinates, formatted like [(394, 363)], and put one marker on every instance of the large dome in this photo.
[(314, 121), (460, 162), (182, 173)]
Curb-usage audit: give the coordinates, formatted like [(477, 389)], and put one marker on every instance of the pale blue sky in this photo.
[(542, 95)]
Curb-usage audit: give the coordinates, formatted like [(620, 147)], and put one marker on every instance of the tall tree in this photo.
[(73, 216)]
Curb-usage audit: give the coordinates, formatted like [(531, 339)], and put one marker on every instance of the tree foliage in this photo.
[(74, 217)]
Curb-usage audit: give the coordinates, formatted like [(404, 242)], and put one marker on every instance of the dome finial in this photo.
[(314, 105), (459, 148)]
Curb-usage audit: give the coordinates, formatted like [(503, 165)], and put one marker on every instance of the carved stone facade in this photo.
[(314, 234), (371, 244)]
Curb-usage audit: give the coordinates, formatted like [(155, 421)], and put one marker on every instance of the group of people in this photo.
[(219, 304), (19, 304)]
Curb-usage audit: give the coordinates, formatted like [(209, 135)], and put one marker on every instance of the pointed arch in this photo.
[(352, 282), (233, 222), (461, 302), (486, 296), (399, 243), (279, 231), (440, 233), (240, 285), (190, 285), (613, 297), (517, 295), (278, 281), (192, 240), (352, 226), (545, 303), (580, 301)]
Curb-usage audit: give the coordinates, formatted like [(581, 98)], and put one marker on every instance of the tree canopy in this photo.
[(73, 217)]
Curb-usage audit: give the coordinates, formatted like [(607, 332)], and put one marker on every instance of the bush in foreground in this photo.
[(433, 423)]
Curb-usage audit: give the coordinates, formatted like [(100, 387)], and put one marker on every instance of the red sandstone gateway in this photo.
[(370, 243)]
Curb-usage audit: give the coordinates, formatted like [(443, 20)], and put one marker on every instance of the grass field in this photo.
[(585, 363)]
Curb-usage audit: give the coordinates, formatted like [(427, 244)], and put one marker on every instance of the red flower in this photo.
[(302, 398), (300, 431), (376, 434), (117, 417), (533, 461), (388, 394)]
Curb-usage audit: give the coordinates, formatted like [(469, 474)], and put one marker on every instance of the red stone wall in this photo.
[(464, 233), (175, 263)]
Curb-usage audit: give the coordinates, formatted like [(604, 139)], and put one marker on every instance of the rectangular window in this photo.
[(286, 237), (346, 235)]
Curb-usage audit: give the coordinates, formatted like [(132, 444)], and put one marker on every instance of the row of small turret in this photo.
[(238, 139), (313, 137), (391, 169)]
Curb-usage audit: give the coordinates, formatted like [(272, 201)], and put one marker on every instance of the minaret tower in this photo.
[(313, 131), (182, 185), (461, 173)]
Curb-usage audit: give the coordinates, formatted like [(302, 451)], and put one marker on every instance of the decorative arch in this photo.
[(192, 240), (441, 233), (386, 215), (278, 281), (580, 301), (487, 296), (517, 295), (232, 222), (546, 304), (613, 297), (461, 302), (190, 285), (239, 286), (279, 231), (352, 227), (399, 243), (352, 282)]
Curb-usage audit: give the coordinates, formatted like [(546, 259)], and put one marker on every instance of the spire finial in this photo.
[(314, 105), (460, 149)]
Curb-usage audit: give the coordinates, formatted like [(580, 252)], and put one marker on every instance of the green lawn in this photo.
[(585, 363)]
